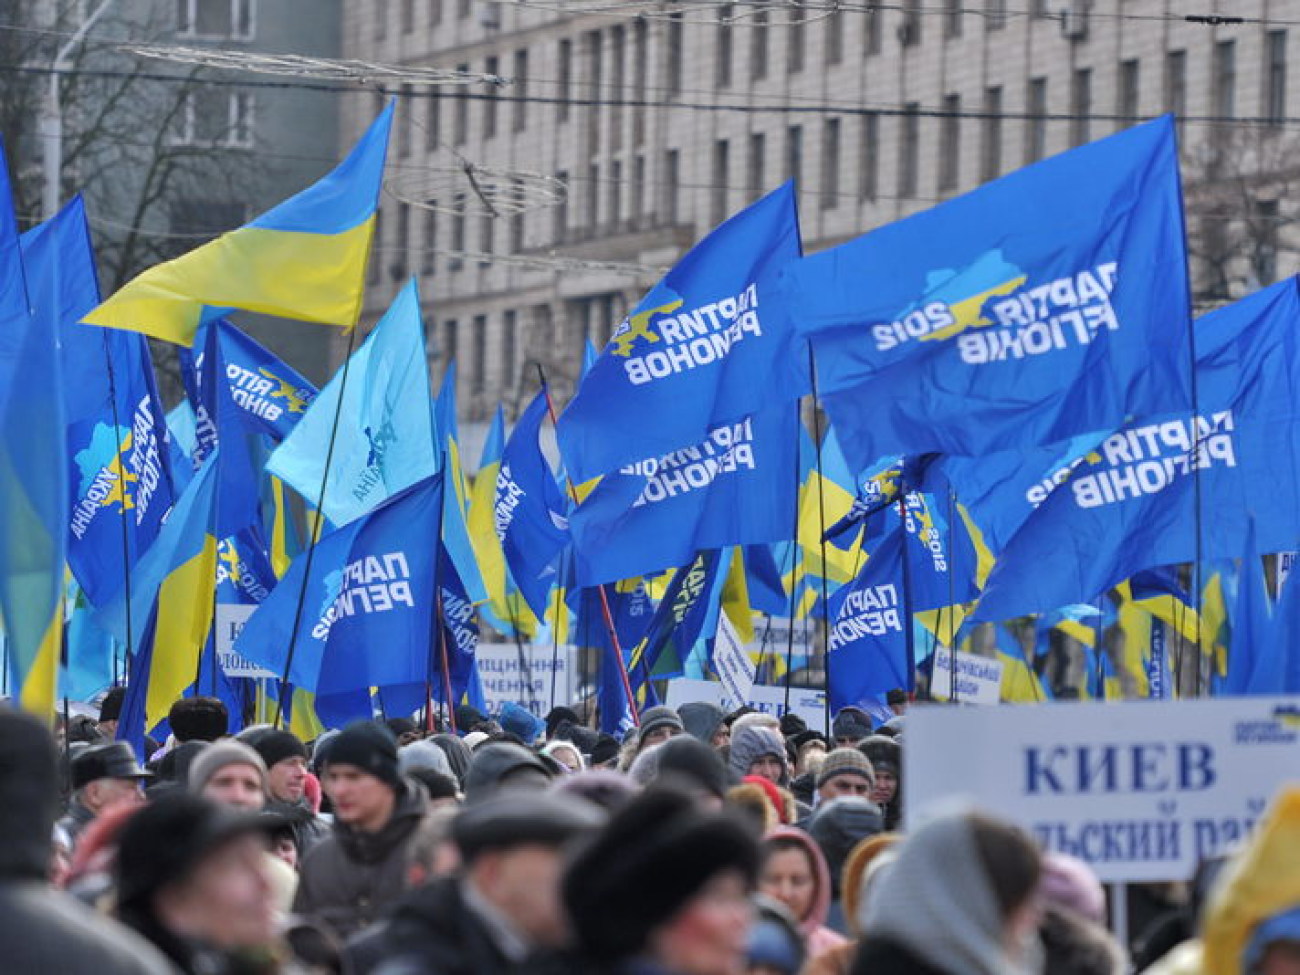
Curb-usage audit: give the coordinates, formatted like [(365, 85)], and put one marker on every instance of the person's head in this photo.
[(885, 756), (513, 855), (1074, 945), (668, 882), (795, 874), (704, 720), (284, 845), (658, 724), (897, 700), (840, 825), (503, 765), (362, 777), (29, 795), (285, 757), (560, 718), (199, 719), (404, 730), (431, 852), (845, 772), (230, 773), (776, 944), (850, 726), (691, 765), (566, 755), (196, 870), (110, 710), (106, 774), (757, 750)]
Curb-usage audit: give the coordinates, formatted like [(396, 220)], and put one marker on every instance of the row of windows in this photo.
[(216, 19), (407, 12)]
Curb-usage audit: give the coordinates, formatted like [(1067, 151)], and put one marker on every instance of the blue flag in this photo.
[(1251, 668), (384, 441), (272, 395), (529, 510), (737, 487), (120, 485), (682, 618), (705, 347), (1045, 304), (1131, 504), (868, 643), (368, 615)]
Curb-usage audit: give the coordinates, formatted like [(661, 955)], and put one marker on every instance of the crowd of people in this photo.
[(704, 844)]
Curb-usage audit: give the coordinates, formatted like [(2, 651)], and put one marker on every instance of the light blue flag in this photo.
[(368, 616), (385, 437), (1132, 504), (736, 487), (1251, 670), (868, 643), (529, 510), (1048, 303), (705, 347), (120, 483), (455, 528)]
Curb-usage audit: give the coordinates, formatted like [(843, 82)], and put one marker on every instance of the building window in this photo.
[(995, 14), (509, 350), (381, 19), (432, 138), (402, 123), (217, 19), (491, 66), (521, 89), (640, 70), (449, 342), (991, 147), (869, 168), (1126, 96), (830, 188), (1275, 78), (1080, 105), (718, 187), (794, 52), (950, 142), (909, 31), (758, 40), (402, 245), (952, 11), (458, 232), (754, 178), (1264, 234), (726, 42), (460, 121), (435, 11), (909, 145), (478, 367), (671, 176), (463, 8), (564, 79), (428, 253), (485, 230), (835, 37), (517, 224), (216, 117), (1036, 120), (617, 71), (674, 40), (561, 211), (873, 26), (1224, 97), (592, 57), (593, 197), (1176, 83), (615, 204), (794, 155), (408, 16), (637, 189)]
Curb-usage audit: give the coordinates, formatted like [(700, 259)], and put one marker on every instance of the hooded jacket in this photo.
[(817, 936), (349, 877)]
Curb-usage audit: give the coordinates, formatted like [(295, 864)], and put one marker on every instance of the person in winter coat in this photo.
[(959, 899), (663, 889), (759, 751), (348, 878), (103, 775), (503, 765), (795, 873), (285, 757), (886, 757), (504, 905), (44, 930), (191, 879)]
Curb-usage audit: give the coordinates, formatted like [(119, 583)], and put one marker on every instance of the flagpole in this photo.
[(909, 637), (436, 628), (555, 627), (821, 514), (604, 599), (952, 597), (314, 533), (126, 531), (795, 553), (446, 668)]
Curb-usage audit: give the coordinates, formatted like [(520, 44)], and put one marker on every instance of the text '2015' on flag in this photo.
[(1048, 303), (703, 348), (304, 259)]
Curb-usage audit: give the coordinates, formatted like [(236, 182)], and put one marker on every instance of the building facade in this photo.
[(659, 126)]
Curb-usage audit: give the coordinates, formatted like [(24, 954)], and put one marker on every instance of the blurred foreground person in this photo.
[(191, 877), (43, 930), (664, 889), (958, 900)]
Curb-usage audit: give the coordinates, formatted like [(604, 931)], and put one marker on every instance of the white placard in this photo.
[(230, 619), (979, 679), (805, 702), (527, 681), (736, 669), (1141, 790)]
